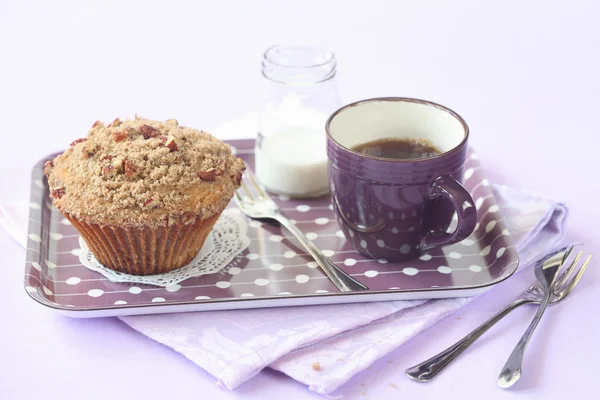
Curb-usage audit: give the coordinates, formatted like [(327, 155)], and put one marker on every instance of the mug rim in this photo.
[(399, 99)]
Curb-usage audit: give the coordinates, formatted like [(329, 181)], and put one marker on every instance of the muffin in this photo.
[(144, 194)]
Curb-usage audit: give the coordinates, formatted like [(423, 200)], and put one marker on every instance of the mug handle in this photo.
[(450, 188)]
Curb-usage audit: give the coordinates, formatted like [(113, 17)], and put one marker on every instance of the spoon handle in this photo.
[(512, 369)]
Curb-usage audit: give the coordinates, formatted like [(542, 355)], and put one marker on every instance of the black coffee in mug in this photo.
[(399, 149)]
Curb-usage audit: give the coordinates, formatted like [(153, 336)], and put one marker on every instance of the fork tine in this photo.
[(248, 192), (259, 190), (562, 279), (569, 288)]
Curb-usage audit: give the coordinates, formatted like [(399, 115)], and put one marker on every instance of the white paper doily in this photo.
[(227, 239)]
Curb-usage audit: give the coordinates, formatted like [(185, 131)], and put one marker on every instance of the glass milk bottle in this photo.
[(298, 95)]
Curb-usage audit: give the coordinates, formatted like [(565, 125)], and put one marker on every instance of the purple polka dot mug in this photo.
[(390, 208)]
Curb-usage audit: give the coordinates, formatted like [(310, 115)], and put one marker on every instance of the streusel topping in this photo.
[(146, 172)]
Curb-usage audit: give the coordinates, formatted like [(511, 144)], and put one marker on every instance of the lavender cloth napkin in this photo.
[(344, 339)]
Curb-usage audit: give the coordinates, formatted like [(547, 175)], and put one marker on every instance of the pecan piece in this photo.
[(119, 136), (58, 192), (148, 131), (119, 163), (209, 175), (131, 170), (48, 165), (115, 123), (109, 170), (90, 148), (106, 157), (77, 141), (172, 143), (172, 122), (238, 178), (151, 202), (96, 124)]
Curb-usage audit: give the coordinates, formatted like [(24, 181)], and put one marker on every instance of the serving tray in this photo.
[(274, 270)]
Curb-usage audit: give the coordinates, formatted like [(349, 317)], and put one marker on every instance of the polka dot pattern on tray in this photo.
[(274, 264)]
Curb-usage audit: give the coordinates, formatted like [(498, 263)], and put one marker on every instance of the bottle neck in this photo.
[(294, 65)]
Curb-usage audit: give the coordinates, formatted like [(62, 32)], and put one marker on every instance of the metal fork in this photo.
[(430, 368), (256, 203)]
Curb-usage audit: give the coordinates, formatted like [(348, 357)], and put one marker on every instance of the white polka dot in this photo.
[(312, 264), (382, 261), (252, 256), (442, 269), (47, 291), (322, 221), (303, 208), (173, 288), (202, 298), (486, 250), (321, 291), (275, 267), (73, 280), (276, 238), (120, 302), (467, 242), (328, 253), (30, 289), (246, 295), (135, 290), (391, 215), (289, 254), (223, 284), (34, 206), (363, 244), (330, 207), (261, 282), (255, 224), (411, 229), (475, 268), (36, 266), (340, 234), (476, 226), (402, 216), (485, 182), (405, 249), (283, 197), (284, 293), (50, 264), (505, 232), (494, 208), (35, 237), (349, 262), (490, 226), (158, 300), (311, 236), (425, 257), (371, 273), (95, 292), (469, 173), (302, 278), (351, 233), (500, 251), (76, 252), (380, 243), (234, 270), (479, 202), (65, 221), (455, 217), (410, 271), (56, 235), (395, 230), (455, 255)]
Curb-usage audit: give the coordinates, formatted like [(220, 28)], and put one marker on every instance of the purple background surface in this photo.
[(524, 76)]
